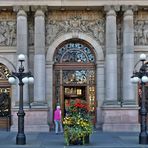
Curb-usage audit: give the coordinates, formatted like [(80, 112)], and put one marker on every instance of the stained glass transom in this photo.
[(74, 52), (75, 76)]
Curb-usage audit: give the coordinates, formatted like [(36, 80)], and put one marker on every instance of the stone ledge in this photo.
[(32, 128), (121, 127)]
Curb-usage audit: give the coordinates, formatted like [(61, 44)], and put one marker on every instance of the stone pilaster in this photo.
[(111, 55), (22, 45), (99, 91), (128, 55), (49, 92), (39, 58)]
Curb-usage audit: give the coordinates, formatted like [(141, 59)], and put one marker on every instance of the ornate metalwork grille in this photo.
[(74, 52), (4, 91)]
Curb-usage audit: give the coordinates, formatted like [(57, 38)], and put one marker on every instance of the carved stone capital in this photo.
[(18, 8), (21, 13), (42, 8), (129, 7), (108, 8), (39, 12)]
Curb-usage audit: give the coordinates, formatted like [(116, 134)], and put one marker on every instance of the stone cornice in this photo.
[(112, 7), (129, 7), (17, 8), (73, 3), (42, 8)]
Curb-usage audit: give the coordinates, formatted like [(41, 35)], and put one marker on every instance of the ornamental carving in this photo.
[(141, 32), (75, 23), (4, 72), (7, 33)]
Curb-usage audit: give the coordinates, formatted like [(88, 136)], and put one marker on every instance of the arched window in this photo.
[(74, 53)]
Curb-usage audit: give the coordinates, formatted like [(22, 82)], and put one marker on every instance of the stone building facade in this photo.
[(92, 44)]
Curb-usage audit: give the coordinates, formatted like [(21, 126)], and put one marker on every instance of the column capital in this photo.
[(108, 8), (41, 8), (129, 7), (18, 8)]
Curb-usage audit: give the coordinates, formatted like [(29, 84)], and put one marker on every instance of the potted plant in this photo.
[(77, 123)]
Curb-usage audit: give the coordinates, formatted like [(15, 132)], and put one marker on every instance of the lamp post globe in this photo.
[(144, 79), (21, 57), (141, 77), (11, 80), (142, 57), (23, 78), (31, 80)]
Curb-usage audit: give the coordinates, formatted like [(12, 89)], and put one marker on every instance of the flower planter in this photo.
[(79, 141), (77, 124)]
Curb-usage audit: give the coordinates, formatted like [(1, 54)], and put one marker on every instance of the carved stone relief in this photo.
[(7, 29), (7, 33), (89, 23), (141, 29)]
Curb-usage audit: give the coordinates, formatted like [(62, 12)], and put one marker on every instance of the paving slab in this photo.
[(98, 139)]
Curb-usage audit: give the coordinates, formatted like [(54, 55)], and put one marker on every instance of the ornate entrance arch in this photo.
[(74, 75), (99, 62)]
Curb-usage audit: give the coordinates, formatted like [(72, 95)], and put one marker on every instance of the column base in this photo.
[(120, 119), (35, 120)]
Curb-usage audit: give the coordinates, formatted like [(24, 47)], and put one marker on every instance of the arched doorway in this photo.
[(74, 74), (5, 102)]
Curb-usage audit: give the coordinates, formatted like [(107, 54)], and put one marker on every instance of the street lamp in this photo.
[(141, 77), (23, 77)]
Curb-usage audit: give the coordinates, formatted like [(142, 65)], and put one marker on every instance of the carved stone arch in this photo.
[(98, 49), (11, 67), (99, 58), (7, 63)]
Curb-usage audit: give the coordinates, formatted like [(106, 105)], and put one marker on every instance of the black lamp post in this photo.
[(141, 77), (23, 77)]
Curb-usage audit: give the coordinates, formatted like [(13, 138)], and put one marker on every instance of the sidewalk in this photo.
[(50, 140)]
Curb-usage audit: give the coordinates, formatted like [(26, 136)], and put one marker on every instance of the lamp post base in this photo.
[(143, 138), (20, 139)]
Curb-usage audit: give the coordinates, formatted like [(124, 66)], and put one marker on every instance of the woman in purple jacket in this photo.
[(57, 120)]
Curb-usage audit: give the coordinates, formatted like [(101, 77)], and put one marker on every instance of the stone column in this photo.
[(22, 46), (111, 56), (128, 55), (39, 58)]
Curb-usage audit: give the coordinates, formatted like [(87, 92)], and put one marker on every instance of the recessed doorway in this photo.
[(74, 75)]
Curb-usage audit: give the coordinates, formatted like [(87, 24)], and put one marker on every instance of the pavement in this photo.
[(98, 139)]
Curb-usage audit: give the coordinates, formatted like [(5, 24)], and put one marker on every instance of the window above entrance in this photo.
[(74, 53)]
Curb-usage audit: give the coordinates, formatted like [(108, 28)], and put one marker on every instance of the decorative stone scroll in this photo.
[(78, 23)]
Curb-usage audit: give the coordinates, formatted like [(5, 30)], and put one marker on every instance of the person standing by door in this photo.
[(58, 120)]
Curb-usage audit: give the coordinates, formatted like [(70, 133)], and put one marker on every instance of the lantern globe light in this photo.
[(31, 80), (142, 57), (25, 80), (132, 80), (11, 80), (21, 57), (144, 79), (135, 79)]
